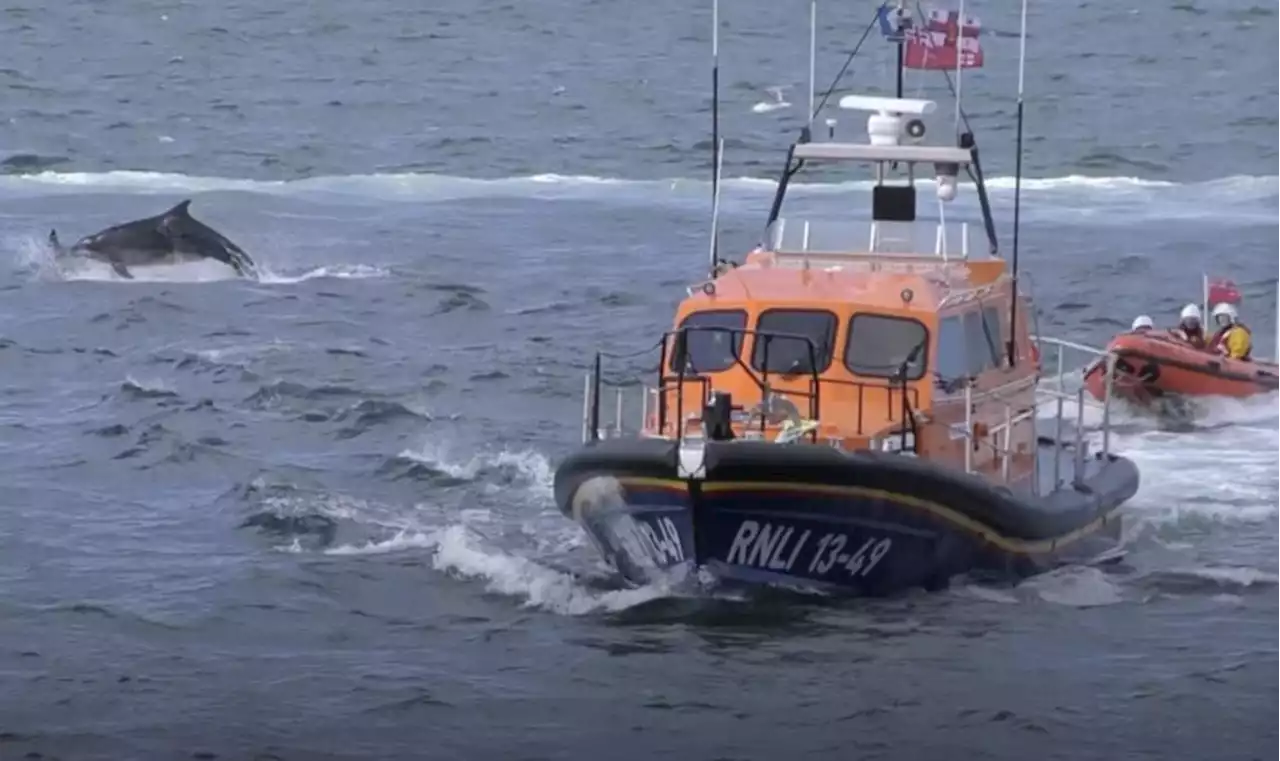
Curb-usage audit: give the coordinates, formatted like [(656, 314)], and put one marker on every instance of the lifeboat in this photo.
[(852, 408), (1152, 366)]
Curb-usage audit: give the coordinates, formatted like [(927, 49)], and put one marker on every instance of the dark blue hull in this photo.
[(890, 532)]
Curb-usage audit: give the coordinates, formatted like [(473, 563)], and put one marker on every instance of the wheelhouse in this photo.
[(823, 345), (853, 349)]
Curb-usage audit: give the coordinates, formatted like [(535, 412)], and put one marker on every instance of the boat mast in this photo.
[(715, 135), (902, 47), (1017, 190), (959, 63), (813, 56)]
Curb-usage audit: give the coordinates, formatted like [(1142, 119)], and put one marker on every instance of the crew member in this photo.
[(1189, 328), (1142, 324), (1233, 338)]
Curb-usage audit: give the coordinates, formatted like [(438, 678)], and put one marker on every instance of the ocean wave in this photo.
[(427, 186)]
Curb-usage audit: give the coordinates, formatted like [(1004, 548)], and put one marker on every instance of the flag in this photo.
[(893, 22), (942, 38), (1222, 291)]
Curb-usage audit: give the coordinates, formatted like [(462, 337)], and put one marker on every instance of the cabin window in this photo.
[(969, 343), (983, 346), (953, 357), (790, 353), (711, 351), (991, 316), (878, 345)]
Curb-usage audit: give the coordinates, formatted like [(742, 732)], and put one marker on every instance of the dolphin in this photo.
[(169, 238)]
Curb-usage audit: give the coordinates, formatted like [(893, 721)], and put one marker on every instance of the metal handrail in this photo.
[(669, 382), (878, 241), (761, 381), (676, 381), (1060, 395), (1013, 413)]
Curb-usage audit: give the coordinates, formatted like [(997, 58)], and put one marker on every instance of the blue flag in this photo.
[(893, 22)]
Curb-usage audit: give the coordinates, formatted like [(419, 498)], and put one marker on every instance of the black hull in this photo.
[(813, 516)]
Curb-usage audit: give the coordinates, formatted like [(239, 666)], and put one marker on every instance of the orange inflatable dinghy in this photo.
[(1153, 365)]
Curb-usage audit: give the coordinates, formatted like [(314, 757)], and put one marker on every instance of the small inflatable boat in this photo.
[(1152, 366)]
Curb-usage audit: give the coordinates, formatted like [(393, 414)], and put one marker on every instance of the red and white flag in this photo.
[(943, 38), (1221, 291)]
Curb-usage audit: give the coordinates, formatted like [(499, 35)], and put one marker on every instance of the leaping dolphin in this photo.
[(169, 238)]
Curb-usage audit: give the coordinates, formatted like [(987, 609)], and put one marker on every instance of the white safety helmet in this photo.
[(1225, 309), (1190, 312), (1142, 321)]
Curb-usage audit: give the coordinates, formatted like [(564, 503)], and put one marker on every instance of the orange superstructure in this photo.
[(892, 337)]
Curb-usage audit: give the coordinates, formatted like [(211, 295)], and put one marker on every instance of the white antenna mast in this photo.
[(813, 55), (716, 143), (1017, 183), (959, 61), (715, 206)]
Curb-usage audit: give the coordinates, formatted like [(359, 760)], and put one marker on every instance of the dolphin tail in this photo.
[(54, 243)]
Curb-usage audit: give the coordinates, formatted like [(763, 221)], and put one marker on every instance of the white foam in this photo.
[(1228, 576), (1186, 467), (459, 551), (457, 546), (1074, 586), (187, 272), (532, 469), (774, 104), (337, 272), (1223, 199), (150, 385)]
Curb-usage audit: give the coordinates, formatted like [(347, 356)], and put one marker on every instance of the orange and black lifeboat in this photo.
[(1151, 365)]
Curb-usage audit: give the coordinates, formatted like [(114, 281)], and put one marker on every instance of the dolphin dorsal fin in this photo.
[(180, 210)]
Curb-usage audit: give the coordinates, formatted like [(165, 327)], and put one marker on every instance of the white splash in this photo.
[(778, 103)]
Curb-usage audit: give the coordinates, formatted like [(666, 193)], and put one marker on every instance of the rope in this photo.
[(632, 354), (875, 17)]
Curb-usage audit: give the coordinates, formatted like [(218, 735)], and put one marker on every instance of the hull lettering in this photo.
[(664, 543), (782, 547), (742, 543)]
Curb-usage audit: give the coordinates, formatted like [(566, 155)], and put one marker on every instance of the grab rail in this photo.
[(679, 358), (1061, 395), (655, 402), (677, 341)]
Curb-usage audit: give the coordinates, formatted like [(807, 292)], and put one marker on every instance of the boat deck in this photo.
[(1048, 479), (1085, 490)]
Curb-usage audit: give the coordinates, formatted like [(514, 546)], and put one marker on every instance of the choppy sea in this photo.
[(310, 517)]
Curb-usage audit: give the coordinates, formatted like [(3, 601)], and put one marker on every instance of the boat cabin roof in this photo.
[(845, 283), (793, 287)]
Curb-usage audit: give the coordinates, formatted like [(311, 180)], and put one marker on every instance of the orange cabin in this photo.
[(858, 343)]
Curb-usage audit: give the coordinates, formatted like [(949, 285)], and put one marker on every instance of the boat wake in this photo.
[(492, 522), (514, 543)]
